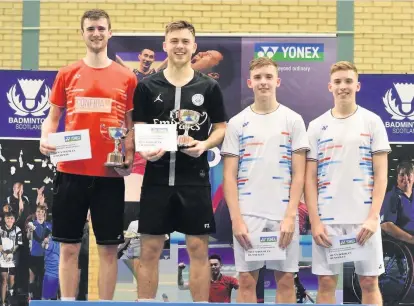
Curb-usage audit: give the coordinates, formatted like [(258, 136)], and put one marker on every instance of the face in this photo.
[(180, 46), (405, 179), (146, 58), (40, 214), (215, 266), (96, 34), (344, 85), (9, 221), (17, 188), (264, 81)]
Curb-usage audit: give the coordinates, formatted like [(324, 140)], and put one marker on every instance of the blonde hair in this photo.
[(262, 62), (179, 25), (343, 66)]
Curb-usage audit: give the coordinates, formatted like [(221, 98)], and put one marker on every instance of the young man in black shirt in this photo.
[(176, 194)]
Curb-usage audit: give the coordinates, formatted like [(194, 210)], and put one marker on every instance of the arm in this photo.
[(129, 140), (180, 281), (396, 232), (217, 135)]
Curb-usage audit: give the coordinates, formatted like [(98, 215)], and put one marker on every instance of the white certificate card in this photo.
[(71, 145), (265, 247), (151, 137), (345, 248)]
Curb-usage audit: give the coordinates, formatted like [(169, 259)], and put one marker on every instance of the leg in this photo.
[(247, 287), (370, 290), (11, 283), (4, 276), (107, 215), (326, 289), (200, 274), (151, 248), (69, 211), (108, 269), (68, 269), (285, 287)]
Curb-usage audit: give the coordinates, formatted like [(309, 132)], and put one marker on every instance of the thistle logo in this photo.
[(268, 239), (72, 138), (347, 241), (28, 105), (290, 52)]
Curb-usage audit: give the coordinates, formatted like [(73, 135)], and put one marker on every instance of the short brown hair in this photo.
[(95, 14), (179, 25), (343, 66), (262, 62)]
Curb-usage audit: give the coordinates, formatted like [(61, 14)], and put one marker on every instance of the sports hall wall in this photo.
[(44, 35)]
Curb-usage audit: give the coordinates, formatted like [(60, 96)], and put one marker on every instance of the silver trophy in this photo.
[(115, 158), (187, 118)]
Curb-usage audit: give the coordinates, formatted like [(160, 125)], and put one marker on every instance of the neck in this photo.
[(179, 73), (215, 277), (97, 60), (341, 110), (408, 192), (9, 227), (265, 105), (15, 195)]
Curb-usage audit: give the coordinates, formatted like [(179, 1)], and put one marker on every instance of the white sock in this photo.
[(67, 298)]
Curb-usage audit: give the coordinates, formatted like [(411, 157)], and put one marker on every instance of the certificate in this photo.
[(346, 249), (151, 137), (265, 247), (71, 145)]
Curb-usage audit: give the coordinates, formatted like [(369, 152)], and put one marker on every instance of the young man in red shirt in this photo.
[(96, 92)]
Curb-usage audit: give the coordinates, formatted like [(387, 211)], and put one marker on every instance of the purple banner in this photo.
[(390, 96), (25, 97)]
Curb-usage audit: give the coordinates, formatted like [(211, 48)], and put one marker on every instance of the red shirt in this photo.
[(220, 290), (93, 97)]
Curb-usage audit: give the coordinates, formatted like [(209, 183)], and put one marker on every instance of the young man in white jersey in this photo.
[(346, 179), (264, 153)]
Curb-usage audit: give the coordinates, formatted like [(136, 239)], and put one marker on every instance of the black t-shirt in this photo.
[(156, 101)]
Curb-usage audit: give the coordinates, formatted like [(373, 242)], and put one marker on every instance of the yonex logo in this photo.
[(347, 241), (283, 52), (268, 239), (72, 138)]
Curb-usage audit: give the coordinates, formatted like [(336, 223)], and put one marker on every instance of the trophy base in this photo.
[(184, 146), (114, 160)]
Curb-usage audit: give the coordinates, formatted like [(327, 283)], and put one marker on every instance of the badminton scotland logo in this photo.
[(405, 92), (290, 52), (29, 104), (28, 98)]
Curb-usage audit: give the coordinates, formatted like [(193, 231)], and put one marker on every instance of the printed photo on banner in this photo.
[(397, 228), (29, 256)]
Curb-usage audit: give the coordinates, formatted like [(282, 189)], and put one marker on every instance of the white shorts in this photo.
[(255, 225), (372, 267)]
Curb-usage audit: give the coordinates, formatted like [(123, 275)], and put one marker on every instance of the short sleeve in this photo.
[(19, 236), (140, 101), (215, 106), (313, 142), (391, 207), (231, 143), (299, 137), (132, 84), (379, 137), (58, 93)]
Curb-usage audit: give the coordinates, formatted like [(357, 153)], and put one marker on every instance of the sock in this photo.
[(146, 300), (67, 299), (11, 292)]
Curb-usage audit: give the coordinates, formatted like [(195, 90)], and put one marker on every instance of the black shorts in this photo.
[(74, 194), (185, 209), (11, 271)]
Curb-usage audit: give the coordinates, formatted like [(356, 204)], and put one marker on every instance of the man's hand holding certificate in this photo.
[(71, 145), (153, 137), (347, 249), (265, 247)]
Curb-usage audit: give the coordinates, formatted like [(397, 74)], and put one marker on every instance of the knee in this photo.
[(286, 282), (108, 253), (327, 284), (197, 250), (247, 283), (368, 284), (69, 251), (151, 249)]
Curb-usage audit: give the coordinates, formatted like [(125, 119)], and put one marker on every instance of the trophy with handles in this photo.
[(117, 134), (187, 118)]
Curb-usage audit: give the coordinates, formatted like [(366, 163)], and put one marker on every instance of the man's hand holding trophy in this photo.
[(187, 144)]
